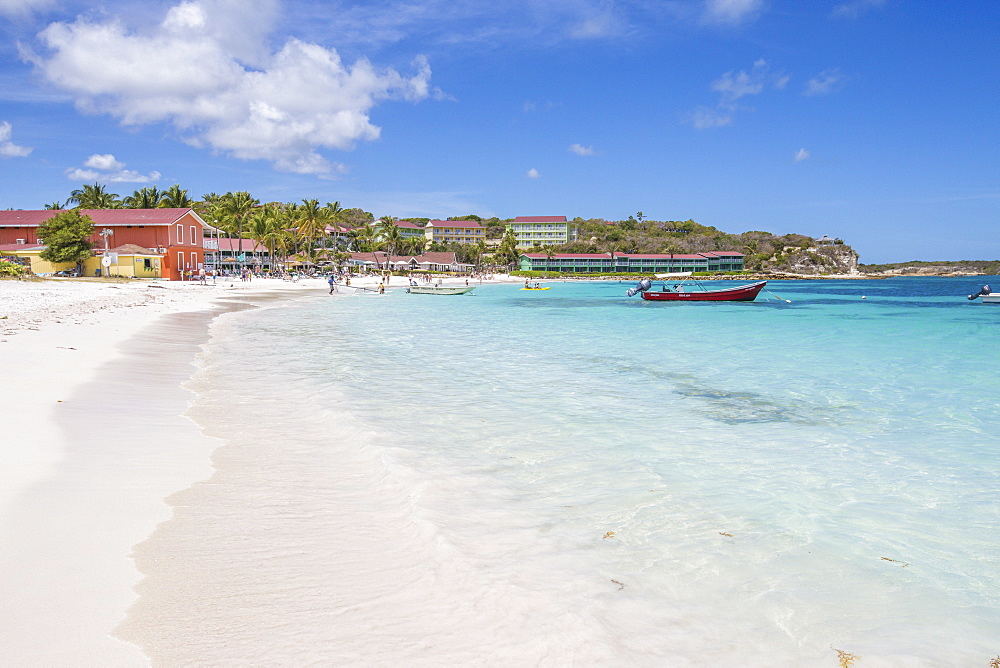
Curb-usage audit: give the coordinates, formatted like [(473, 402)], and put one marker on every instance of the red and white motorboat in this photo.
[(688, 292)]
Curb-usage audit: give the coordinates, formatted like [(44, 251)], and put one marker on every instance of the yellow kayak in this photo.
[(534, 288)]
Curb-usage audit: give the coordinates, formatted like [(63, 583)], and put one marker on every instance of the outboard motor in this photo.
[(641, 286), (985, 291)]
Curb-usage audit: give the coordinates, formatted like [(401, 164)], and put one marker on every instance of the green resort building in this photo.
[(542, 230), (624, 263)]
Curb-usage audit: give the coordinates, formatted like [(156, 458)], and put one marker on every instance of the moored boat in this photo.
[(440, 289), (687, 292), (989, 297)]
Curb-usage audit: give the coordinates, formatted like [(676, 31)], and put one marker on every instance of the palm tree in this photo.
[(312, 222), (54, 206), (392, 237), (176, 198), (144, 198), (234, 209), (94, 197), (672, 249)]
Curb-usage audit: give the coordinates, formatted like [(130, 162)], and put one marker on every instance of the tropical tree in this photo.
[(233, 211), (66, 237), (175, 197), (507, 252), (144, 198), (94, 197), (312, 221), (54, 206), (391, 235)]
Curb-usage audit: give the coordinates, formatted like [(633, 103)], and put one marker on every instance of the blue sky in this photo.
[(871, 120)]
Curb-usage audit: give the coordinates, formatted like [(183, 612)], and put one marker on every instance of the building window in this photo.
[(180, 234), (180, 262), (194, 235)]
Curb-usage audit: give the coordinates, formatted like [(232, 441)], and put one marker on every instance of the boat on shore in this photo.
[(692, 291), (440, 289)]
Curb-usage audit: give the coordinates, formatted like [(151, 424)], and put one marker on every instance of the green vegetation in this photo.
[(8, 268), (66, 237), (990, 267)]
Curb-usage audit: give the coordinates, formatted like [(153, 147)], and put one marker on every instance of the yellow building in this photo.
[(454, 231), (129, 260)]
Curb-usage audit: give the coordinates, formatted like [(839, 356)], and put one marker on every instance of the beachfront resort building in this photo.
[(542, 230), (639, 263), (454, 231), (152, 243), (429, 261)]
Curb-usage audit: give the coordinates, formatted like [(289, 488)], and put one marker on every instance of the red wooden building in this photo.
[(176, 235)]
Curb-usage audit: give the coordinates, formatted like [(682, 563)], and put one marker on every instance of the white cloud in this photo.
[(731, 12), (703, 117), (105, 167), (734, 86), (579, 149), (9, 149), (105, 162), (855, 8), (824, 82), (532, 173), (801, 155), (285, 108), (19, 7)]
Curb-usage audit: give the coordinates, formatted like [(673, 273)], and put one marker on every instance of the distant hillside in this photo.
[(937, 268), (795, 253)]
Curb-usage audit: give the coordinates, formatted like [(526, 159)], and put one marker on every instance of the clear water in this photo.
[(573, 476)]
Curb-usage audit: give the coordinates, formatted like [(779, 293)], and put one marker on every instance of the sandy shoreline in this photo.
[(94, 440)]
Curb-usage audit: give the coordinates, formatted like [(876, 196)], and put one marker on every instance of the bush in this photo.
[(8, 268)]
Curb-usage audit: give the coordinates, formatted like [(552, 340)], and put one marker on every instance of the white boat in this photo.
[(989, 297), (440, 289)]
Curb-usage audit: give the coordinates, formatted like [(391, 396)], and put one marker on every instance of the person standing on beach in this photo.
[(332, 281), (381, 288)]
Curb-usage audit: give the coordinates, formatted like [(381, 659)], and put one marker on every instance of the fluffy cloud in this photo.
[(9, 149), (220, 88), (731, 12), (824, 82), (579, 149), (105, 167), (801, 155), (532, 173)]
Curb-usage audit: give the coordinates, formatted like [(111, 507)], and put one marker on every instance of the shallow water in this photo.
[(573, 476)]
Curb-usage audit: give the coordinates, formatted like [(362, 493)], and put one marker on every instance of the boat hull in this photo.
[(441, 289), (992, 298), (740, 293)]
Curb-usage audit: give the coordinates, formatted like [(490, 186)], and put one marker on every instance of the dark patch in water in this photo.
[(739, 407)]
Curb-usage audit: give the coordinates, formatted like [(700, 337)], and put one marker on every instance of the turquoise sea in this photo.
[(573, 477)]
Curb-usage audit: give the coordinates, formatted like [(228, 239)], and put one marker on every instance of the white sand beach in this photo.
[(93, 440)]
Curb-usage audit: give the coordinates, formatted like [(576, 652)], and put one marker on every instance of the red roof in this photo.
[(407, 224), (641, 256), (241, 245), (540, 219), (20, 247), (101, 217), (454, 223)]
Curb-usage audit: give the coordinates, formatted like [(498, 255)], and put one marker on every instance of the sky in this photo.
[(876, 121)]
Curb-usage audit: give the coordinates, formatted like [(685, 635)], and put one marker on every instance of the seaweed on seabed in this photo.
[(845, 660)]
